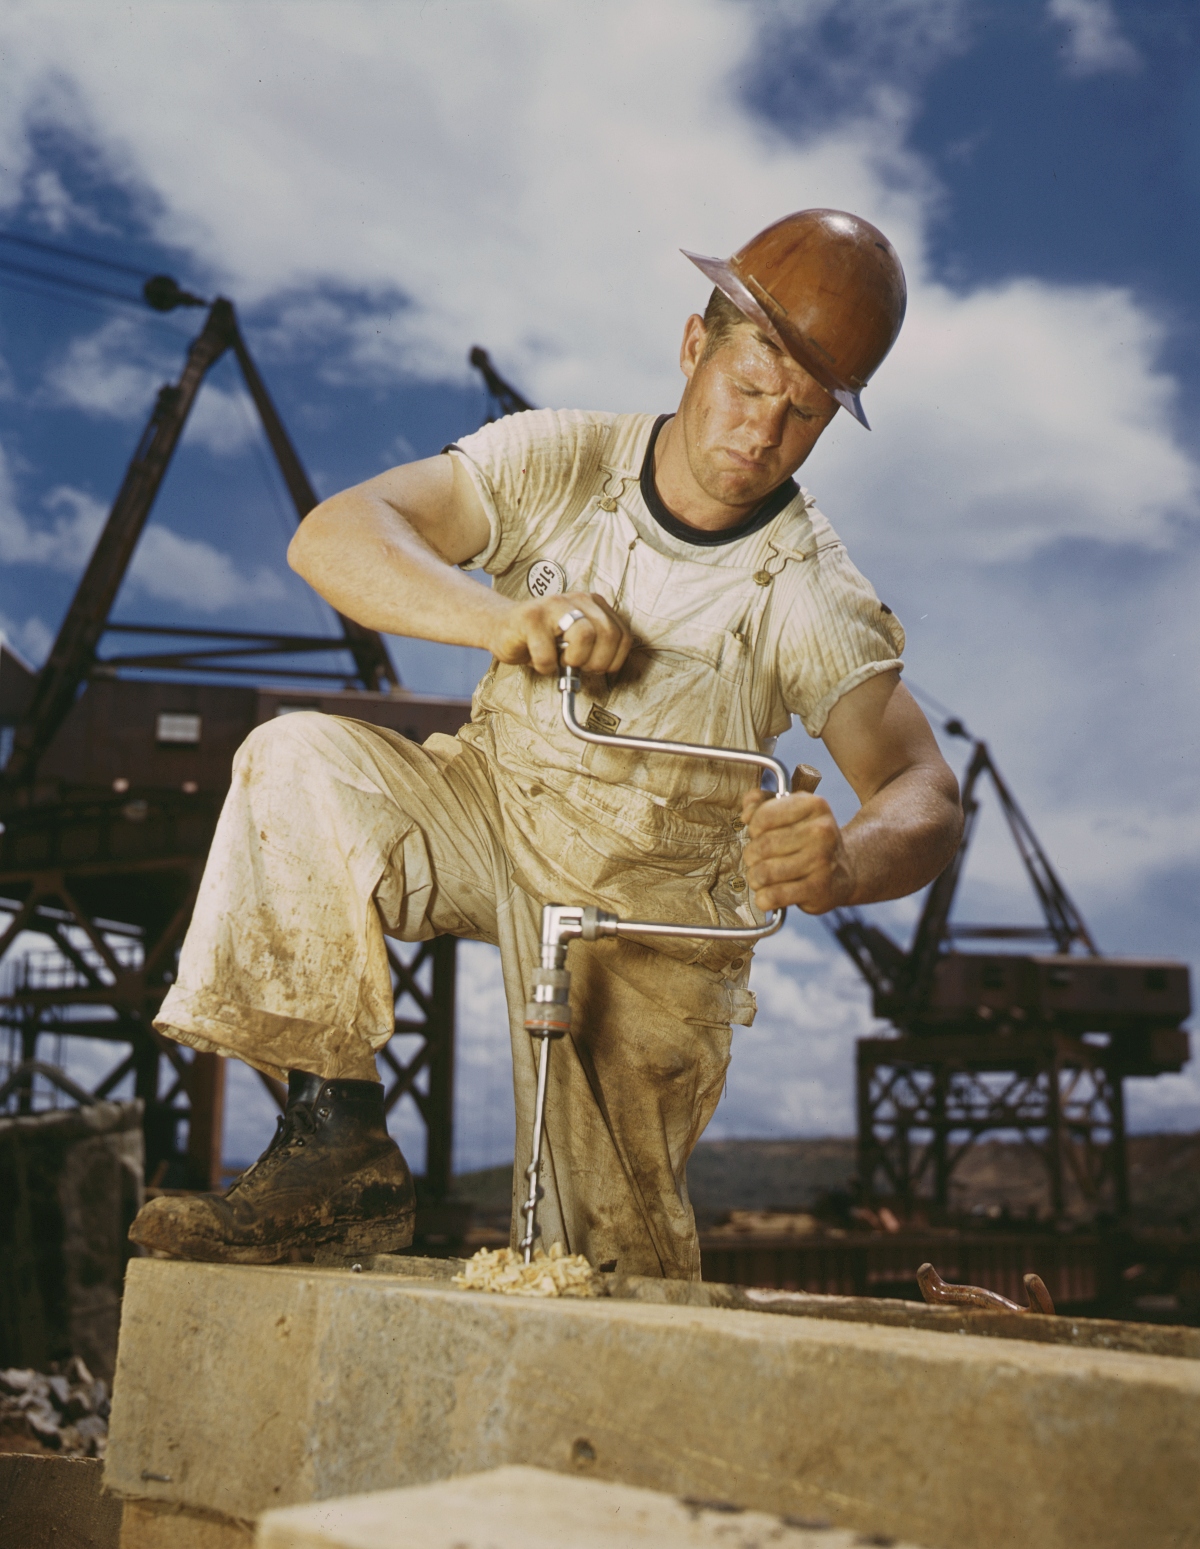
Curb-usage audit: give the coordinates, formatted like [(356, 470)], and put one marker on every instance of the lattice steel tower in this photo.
[(1006, 1042), (110, 791)]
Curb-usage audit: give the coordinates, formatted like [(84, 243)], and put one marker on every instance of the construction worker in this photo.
[(704, 598)]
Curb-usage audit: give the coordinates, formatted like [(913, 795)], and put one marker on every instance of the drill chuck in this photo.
[(548, 1014)]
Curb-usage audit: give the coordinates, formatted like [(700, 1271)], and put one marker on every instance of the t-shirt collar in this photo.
[(767, 511)]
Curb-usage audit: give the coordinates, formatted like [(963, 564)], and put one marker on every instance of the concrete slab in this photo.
[(162, 1525), (529, 1508), (241, 1388), (1083, 1333)]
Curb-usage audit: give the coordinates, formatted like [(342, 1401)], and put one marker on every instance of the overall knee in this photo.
[(287, 743)]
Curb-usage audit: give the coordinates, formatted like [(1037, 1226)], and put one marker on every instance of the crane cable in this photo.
[(159, 291), (70, 252)]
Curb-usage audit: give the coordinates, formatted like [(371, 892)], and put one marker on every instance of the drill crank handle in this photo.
[(562, 923), (772, 923), (547, 1014), (569, 685)]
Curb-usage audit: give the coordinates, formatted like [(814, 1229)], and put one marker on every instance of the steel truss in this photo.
[(425, 982), (104, 980), (1004, 1042), (924, 1102)]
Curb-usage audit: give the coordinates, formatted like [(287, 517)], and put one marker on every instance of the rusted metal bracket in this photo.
[(936, 1291)]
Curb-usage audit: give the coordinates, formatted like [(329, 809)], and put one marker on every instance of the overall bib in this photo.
[(642, 835)]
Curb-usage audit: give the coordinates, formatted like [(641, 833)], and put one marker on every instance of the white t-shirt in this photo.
[(825, 631)]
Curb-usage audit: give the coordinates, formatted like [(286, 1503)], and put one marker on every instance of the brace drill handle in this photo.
[(806, 778), (548, 1013)]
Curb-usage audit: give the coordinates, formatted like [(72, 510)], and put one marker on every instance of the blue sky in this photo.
[(380, 187)]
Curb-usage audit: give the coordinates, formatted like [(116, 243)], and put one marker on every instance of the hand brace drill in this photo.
[(548, 1011)]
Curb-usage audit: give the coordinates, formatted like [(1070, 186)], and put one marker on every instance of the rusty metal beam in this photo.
[(374, 665), (205, 1087)]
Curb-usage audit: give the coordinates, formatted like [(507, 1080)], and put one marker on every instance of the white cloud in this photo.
[(457, 168), (30, 638), (57, 209), (194, 573), (107, 374), (222, 421), (116, 372), (165, 565), (63, 545), (1094, 44), (1013, 417), (792, 1073), (449, 153), (485, 1120)]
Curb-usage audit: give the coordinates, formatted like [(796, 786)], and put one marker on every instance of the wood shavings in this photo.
[(557, 1273)]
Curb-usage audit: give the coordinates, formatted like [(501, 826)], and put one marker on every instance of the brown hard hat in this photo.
[(828, 287)]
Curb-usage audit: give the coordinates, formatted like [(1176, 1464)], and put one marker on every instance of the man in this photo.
[(704, 598)]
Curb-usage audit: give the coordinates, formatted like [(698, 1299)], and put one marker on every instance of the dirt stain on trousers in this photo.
[(336, 834)]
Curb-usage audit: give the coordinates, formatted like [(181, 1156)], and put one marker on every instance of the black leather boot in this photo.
[(331, 1175)]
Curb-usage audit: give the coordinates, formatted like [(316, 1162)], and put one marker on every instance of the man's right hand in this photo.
[(528, 633)]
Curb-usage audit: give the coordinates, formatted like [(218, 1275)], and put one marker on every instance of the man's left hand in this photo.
[(796, 854)]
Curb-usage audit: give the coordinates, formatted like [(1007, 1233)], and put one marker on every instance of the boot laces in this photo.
[(292, 1131)]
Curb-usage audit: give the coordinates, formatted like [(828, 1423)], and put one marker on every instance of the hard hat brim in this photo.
[(852, 403), (721, 273)]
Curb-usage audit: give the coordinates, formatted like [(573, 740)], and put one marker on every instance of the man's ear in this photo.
[(695, 336)]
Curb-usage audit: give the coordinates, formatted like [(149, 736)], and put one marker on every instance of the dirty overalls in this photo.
[(337, 833)]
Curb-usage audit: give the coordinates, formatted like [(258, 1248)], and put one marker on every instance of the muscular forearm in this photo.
[(903, 836), (386, 554), (899, 840)]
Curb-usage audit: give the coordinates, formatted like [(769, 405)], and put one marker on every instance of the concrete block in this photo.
[(1083, 1333), (55, 1503), (242, 1388), (529, 1508), (160, 1525)]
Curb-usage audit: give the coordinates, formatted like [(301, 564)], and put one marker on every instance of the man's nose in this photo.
[(766, 421)]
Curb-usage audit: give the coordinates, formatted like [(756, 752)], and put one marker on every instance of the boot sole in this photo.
[(364, 1237)]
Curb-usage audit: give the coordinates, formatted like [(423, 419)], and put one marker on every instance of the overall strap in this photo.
[(606, 478)]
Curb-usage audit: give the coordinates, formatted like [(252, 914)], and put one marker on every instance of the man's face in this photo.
[(750, 415)]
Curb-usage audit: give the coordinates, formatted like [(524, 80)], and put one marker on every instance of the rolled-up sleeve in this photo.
[(836, 636), (525, 468)]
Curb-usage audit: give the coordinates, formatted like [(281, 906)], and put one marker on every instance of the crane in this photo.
[(117, 759), (1005, 1041)]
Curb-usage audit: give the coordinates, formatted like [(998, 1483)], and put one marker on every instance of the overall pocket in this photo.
[(685, 691)]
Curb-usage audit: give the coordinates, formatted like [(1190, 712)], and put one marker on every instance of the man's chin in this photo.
[(735, 488)]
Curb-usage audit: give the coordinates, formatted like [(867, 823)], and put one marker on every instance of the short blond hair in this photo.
[(721, 317)]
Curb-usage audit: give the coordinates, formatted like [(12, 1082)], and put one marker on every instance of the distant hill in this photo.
[(728, 1175), (724, 1175)]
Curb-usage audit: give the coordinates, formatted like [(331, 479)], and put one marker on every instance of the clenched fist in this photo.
[(796, 854), (528, 633)]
